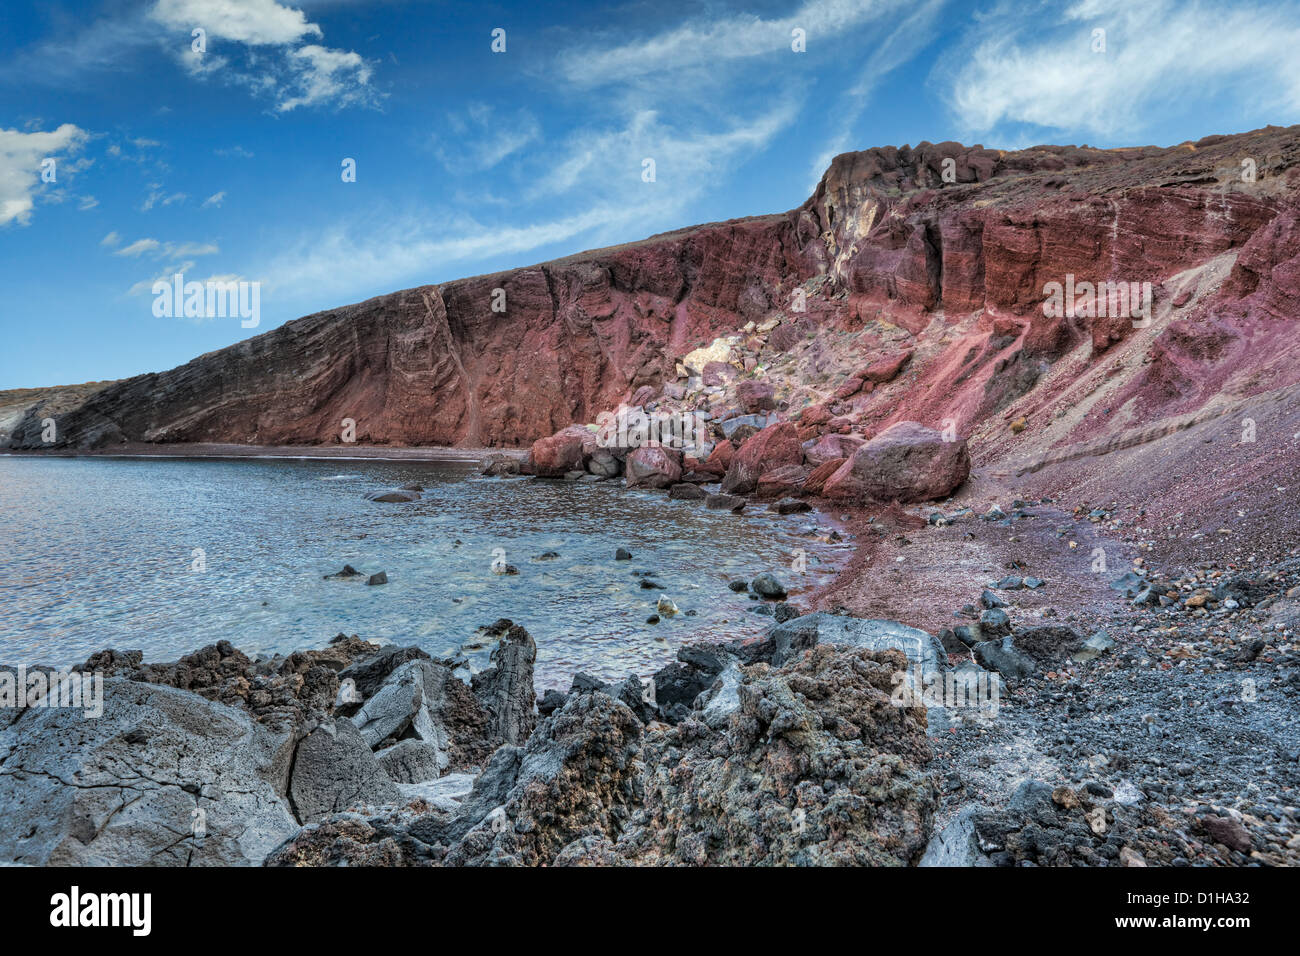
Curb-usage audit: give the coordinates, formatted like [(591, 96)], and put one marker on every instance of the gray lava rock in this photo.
[(394, 496), (122, 789), (411, 761), (994, 623), (685, 491), (733, 503), (333, 770), (1004, 657), (767, 586)]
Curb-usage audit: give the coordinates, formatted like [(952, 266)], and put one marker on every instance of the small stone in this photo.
[(1066, 798), (1131, 857), (622, 554), (380, 578), (990, 600), (765, 585)]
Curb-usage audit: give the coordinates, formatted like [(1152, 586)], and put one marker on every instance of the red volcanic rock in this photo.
[(755, 396), (833, 446), (564, 451), (815, 483), (653, 467), (885, 369), (815, 415), (884, 238), (771, 448), (906, 462), (644, 395), (785, 480), (850, 388), (720, 458), (718, 373)]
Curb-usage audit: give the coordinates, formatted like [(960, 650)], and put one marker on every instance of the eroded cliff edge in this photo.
[(887, 254)]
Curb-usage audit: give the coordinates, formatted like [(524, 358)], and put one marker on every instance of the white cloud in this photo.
[(255, 22), (156, 196), (293, 75), (319, 75), (387, 254), (21, 155), (686, 159), (482, 138), (1047, 73), (138, 248), (706, 44), (111, 240), (216, 199)]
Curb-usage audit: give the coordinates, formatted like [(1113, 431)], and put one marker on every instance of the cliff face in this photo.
[(943, 249)]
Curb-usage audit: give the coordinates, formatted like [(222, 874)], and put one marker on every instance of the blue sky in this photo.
[(227, 163)]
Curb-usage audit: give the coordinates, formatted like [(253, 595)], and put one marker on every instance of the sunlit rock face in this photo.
[(951, 247)]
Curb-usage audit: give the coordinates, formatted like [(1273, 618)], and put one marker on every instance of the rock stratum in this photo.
[(891, 294)]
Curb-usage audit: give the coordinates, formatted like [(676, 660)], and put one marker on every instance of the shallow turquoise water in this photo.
[(100, 552)]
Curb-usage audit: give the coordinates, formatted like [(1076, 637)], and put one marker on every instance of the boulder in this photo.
[(653, 467), (808, 765), (719, 459), (815, 483), (604, 463), (500, 465), (1005, 657), (782, 642), (410, 761), (755, 396), (830, 447), (767, 586), (907, 462), (771, 448), (131, 786), (785, 480), (333, 770), (565, 451), (732, 426)]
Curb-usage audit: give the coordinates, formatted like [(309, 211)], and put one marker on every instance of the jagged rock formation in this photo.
[(942, 250)]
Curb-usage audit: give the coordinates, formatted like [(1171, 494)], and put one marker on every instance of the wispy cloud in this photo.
[(897, 48), (707, 44), (482, 137), (138, 248), (215, 200), (1050, 71)]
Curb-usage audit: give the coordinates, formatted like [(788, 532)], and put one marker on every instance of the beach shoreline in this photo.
[(306, 452)]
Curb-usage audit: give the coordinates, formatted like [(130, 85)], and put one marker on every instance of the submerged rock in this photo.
[(397, 495)]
